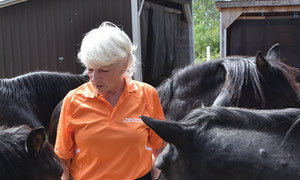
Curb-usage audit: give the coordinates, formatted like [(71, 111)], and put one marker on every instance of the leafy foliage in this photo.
[(206, 29)]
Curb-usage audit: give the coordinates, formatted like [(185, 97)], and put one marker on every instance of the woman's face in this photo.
[(107, 79)]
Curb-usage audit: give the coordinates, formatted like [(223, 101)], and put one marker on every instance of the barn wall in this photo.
[(46, 34), (249, 26), (246, 37)]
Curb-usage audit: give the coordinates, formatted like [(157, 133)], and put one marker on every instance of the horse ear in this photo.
[(35, 141), (223, 99), (171, 132), (274, 52), (262, 64)]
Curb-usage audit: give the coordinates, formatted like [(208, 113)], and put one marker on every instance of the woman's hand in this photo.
[(155, 171), (65, 175)]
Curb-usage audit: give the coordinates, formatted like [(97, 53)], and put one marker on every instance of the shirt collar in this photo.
[(91, 92), (130, 85)]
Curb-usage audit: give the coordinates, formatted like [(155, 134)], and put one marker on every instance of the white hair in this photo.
[(107, 45)]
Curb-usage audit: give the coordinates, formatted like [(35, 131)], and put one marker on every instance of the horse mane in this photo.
[(165, 93), (274, 119), (288, 72), (239, 72), (30, 84)]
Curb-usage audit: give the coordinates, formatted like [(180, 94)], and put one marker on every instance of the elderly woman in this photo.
[(100, 134)]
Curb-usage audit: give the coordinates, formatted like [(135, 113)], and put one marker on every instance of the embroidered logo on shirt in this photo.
[(129, 120)]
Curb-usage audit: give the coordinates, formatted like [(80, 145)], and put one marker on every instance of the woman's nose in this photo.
[(95, 76)]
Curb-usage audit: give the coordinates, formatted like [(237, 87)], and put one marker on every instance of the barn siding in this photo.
[(263, 10), (36, 33), (246, 37)]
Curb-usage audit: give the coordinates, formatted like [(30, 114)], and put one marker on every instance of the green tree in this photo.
[(206, 29)]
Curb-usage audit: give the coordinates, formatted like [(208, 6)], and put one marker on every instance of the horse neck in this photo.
[(281, 83), (46, 90), (266, 120)]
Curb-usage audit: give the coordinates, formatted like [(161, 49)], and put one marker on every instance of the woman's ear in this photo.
[(125, 64)]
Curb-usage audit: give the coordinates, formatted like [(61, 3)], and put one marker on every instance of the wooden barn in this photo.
[(249, 26), (40, 35)]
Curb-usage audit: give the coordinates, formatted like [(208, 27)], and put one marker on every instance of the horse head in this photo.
[(226, 143), (194, 86), (25, 154), (252, 82), (278, 80)]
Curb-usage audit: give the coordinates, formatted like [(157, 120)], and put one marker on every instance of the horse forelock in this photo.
[(231, 117), (18, 132), (239, 71)]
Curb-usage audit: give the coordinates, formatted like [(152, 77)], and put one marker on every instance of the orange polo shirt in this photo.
[(105, 142)]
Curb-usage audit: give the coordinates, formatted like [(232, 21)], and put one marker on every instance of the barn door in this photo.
[(160, 38)]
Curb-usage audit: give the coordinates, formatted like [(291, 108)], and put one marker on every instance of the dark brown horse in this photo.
[(250, 82), (26, 155)]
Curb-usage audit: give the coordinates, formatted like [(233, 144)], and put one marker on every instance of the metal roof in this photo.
[(266, 3), (4, 3)]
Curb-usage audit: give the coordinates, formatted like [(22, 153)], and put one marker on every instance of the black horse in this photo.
[(54, 122), (34, 95), (230, 143), (250, 82), (26, 155)]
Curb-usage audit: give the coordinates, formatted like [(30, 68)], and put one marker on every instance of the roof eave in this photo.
[(10, 2)]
